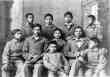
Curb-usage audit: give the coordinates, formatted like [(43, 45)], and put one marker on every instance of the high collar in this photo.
[(69, 24), (36, 38), (56, 39), (49, 25), (16, 40), (74, 38)]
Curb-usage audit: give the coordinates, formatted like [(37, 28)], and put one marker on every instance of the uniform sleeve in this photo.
[(67, 49), (66, 63), (100, 32), (5, 55), (47, 63), (45, 45), (102, 59), (26, 48)]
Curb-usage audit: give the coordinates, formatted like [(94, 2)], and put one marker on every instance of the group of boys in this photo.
[(31, 52)]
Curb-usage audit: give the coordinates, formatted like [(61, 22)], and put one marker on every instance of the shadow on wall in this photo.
[(103, 18), (5, 20)]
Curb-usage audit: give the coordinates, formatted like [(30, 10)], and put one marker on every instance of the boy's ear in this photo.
[(47, 49)]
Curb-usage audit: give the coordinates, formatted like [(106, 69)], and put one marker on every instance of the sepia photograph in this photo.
[(54, 38)]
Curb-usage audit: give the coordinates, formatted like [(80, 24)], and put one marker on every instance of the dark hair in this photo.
[(92, 16), (48, 14), (68, 13), (27, 14), (52, 42), (62, 34), (37, 25), (95, 39), (15, 31), (82, 30)]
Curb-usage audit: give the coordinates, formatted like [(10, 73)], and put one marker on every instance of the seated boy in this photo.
[(96, 59), (34, 48), (55, 61), (12, 56)]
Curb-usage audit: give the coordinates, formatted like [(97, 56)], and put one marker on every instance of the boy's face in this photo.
[(30, 18), (48, 20), (68, 19), (52, 48), (78, 32), (18, 35), (57, 34), (92, 44), (89, 20), (36, 31)]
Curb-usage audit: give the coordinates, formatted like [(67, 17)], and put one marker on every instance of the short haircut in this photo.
[(27, 14), (95, 39), (37, 25), (92, 16), (48, 14), (15, 31), (68, 13), (83, 32), (52, 42)]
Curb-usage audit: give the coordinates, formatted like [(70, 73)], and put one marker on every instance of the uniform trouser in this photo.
[(76, 69), (91, 73), (56, 74), (19, 70), (31, 70)]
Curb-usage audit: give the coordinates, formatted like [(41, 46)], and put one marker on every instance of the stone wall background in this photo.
[(56, 7)]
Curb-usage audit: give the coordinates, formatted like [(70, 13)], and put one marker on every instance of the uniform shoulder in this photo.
[(28, 38), (59, 53), (44, 39), (70, 38), (9, 42)]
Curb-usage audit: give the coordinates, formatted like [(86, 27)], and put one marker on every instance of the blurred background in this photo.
[(12, 15)]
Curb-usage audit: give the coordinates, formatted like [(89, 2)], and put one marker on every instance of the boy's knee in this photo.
[(4, 67), (27, 66), (88, 73)]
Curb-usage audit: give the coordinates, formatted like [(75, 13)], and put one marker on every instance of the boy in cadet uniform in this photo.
[(29, 24), (34, 48), (55, 61), (68, 25), (96, 59), (75, 44), (58, 37), (48, 26), (93, 29), (12, 57)]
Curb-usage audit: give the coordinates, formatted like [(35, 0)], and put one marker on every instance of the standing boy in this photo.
[(48, 26), (34, 48), (68, 27), (12, 57), (29, 24)]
